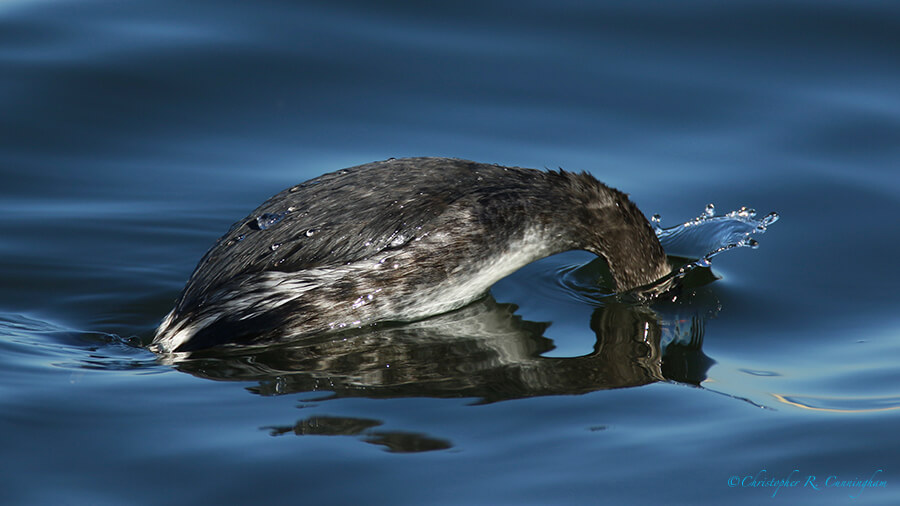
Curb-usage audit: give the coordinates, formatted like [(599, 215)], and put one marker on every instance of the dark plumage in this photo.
[(399, 240)]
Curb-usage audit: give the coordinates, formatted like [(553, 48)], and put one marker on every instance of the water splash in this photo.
[(700, 239), (695, 242), (708, 235)]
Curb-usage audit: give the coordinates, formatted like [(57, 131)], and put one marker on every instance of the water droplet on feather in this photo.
[(267, 220)]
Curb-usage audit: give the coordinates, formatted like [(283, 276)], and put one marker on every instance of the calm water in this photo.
[(132, 134)]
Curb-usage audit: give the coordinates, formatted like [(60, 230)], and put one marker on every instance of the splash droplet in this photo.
[(655, 219), (743, 212), (769, 219)]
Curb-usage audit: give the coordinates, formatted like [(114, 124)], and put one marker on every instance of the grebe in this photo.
[(399, 240)]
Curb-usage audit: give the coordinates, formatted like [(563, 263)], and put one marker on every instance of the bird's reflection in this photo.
[(392, 441), (484, 351)]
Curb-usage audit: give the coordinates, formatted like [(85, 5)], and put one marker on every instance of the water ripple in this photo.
[(42, 343), (841, 404)]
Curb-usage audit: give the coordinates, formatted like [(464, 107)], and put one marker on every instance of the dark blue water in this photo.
[(132, 134)]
